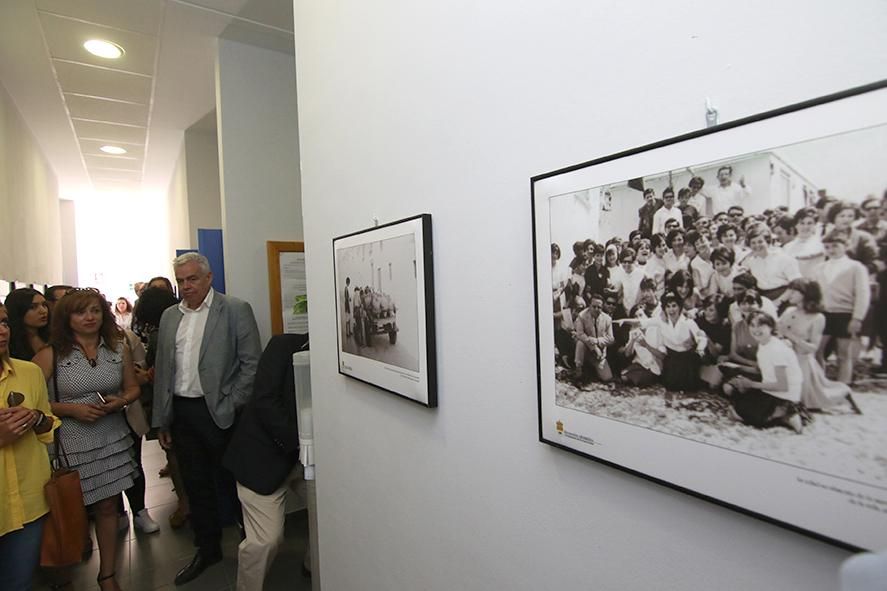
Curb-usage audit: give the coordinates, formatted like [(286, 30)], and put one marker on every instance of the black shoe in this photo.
[(201, 561)]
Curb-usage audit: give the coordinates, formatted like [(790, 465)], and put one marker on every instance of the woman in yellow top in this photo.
[(26, 425)]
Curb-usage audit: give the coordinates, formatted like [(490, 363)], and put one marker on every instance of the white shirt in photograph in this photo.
[(775, 354), (628, 284), (674, 263), (777, 269), (702, 270), (189, 337), (723, 198), (722, 284), (662, 215), (655, 270), (683, 335), (810, 254)]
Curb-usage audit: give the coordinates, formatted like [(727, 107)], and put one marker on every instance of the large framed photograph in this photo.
[(385, 308), (711, 314)]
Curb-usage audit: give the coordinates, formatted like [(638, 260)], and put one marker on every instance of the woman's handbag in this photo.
[(64, 533)]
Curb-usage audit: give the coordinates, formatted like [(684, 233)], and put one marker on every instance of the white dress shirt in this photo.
[(189, 337), (662, 215)]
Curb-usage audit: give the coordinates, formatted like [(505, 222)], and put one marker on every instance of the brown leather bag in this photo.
[(64, 533)]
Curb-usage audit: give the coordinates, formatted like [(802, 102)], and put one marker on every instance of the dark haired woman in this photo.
[(684, 344), (92, 378), (681, 283), (773, 400), (806, 246), (802, 325), (714, 325), (152, 303), (28, 322), (743, 347), (123, 313)]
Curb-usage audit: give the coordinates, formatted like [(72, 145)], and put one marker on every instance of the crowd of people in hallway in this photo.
[(187, 370), (777, 310)]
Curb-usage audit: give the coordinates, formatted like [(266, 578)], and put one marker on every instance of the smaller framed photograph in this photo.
[(385, 308)]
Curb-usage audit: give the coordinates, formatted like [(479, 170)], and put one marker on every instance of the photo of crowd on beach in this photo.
[(740, 303)]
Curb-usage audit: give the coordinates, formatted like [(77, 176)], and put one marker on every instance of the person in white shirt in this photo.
[(806, 246), (627, 279), (207, 353), (668, 211), (772, 401), (684, 344), (701, 266), (676, 258), (727, 193), (655, 268), (772, 268), (721, 281), (728, 235)]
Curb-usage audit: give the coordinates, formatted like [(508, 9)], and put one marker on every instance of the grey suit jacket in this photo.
[(229, 354)]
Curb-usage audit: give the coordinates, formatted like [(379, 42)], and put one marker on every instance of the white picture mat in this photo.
[(847, 511), (411, 384)]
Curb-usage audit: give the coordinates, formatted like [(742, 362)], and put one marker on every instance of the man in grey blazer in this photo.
[(207, 352)]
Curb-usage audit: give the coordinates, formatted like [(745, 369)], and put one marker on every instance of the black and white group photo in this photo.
[(739, 303), (378, 311)]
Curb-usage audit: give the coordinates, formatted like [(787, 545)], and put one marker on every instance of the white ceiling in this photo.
[(75, 102)]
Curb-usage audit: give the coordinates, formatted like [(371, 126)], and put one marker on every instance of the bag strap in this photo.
[(57, 439)]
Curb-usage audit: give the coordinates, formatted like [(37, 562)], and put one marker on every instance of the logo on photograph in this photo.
[(560, 427)]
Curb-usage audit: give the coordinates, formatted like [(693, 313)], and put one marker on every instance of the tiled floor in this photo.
[(150, 561)]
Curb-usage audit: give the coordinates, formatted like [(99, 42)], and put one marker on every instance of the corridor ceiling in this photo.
[(75, 102)]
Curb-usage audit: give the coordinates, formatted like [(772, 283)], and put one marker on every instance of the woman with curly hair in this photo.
[(92, 379), (28, 322)]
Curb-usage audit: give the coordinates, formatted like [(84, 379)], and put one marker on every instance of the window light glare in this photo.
[(103, 48), (116, 150)]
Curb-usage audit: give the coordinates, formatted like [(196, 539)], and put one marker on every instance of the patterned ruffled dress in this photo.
[(100, 451)]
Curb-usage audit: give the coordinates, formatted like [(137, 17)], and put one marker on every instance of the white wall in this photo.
[(177, 212), (259, 162), (204, 200), (450, 108), (31, 232)]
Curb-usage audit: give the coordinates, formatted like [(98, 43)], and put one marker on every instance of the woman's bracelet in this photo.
[(40, 420)]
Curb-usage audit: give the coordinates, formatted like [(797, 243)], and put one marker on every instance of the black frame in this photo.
[(425, 289), (772, 114)]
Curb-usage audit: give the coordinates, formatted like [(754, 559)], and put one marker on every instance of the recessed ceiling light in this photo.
[(103, 48), (116, 150)]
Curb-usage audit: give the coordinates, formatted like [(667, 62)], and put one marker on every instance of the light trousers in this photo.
[(263, 517)]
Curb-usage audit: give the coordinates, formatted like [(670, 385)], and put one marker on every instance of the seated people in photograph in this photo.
[(667, 212), (774, 399), (594, 333), (802, 325), (743, 282), (684, 344), (563, 320), (681, 283), (743, 346), (845, 302), (719, 333)]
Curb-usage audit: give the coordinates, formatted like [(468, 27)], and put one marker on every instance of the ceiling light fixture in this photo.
[(103, 48), (116, 150)]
